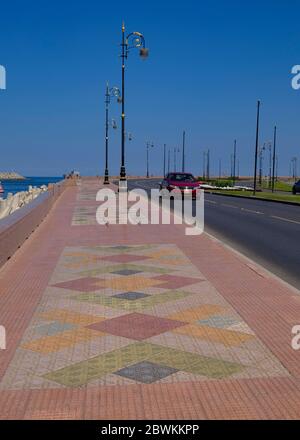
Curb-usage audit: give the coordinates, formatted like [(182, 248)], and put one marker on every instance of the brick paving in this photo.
[(126, 321)]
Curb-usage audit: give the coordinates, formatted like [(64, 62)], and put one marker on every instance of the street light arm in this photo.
[(135, 39)]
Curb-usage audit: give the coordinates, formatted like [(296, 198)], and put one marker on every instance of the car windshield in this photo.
[(181, 177)]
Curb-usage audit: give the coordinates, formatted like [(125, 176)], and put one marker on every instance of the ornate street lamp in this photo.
[(131, 41), (110, 93)]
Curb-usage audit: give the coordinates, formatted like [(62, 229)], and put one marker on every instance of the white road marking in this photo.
[(252, 211), (210, 201), (285, 219), (229, 206)]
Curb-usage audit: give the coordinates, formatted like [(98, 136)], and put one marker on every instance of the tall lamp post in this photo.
[(274, 158), (149, 145), (256, 147), (110, 92), (234, 161), (131, 41), (183, 152), (176, 150), (165, 160)]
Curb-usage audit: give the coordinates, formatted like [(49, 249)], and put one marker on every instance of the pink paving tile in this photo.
[(89, 284), (136, 326)]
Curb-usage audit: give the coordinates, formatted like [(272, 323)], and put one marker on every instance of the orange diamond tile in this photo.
[(197, 313), (71, 317), (226, 337), (50, 344), (130, 283)]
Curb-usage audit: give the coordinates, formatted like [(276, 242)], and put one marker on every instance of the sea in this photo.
[(14, 186)]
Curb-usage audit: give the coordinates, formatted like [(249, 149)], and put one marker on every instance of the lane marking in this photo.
[(285, 219), (210, 201), (252, 211), (229, 206)]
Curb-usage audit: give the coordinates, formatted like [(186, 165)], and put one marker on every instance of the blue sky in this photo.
[(209, 63)]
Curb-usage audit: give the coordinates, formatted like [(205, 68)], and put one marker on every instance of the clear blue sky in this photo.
[(209, 63)]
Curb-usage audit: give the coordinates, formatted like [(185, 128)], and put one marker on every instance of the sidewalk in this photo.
[(129, 322)]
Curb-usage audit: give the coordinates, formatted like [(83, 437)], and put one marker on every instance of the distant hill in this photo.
[(11, 176)]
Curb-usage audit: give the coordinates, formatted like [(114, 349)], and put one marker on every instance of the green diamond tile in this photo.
[(130, 305), (82, 372), (121, 249), (196, 364), (125, 266)]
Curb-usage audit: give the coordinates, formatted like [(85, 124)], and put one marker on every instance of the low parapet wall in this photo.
[(16, 227)]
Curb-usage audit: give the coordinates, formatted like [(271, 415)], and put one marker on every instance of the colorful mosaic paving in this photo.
[(134, 314)]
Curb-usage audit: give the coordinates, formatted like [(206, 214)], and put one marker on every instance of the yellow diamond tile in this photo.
[(171, 261), (226, 337), (162, 253), (50, 344), (130, 283), (71, 317), (197, 313)]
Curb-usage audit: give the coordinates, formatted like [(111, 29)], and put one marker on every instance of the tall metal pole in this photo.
[(107, 99), (270, 165), (260, 164), (208, 164), (164, 160), (174, 159), (147, 159), (123, 56), (183, 152), (274, 158), (169, 160), (220, 168), (234, 160), (256, 147), (204, 165)]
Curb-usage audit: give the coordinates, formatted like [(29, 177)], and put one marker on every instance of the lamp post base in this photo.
[(123, 174), (106, 178)]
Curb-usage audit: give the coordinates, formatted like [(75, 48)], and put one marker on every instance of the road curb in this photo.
[(254, 198)]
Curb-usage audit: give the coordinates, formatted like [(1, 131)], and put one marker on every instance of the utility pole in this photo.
[(204, 164), (274, 158), (208, 164), (220, 168), (270, 164), (256, 147), (234, 160), (174, 159), (169, 160), (164, 160), (183, 152)]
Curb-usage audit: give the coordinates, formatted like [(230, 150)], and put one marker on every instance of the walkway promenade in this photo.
[(141, 322)]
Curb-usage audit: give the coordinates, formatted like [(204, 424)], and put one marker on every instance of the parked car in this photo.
[(183, 184), (296, 187)]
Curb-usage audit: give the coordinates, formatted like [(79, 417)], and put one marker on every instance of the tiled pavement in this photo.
[(141, 322)]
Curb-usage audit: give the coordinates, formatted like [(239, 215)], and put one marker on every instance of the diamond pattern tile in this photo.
[(136, 326), (126, 272), (139, 304), (132, 296), (146, 372), (219, 321), (125, 258), (89, 284), (227, 337)]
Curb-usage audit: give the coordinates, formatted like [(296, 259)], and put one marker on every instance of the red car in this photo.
[(184, 184)]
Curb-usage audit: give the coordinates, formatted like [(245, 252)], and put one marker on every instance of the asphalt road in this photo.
[(266, 232)]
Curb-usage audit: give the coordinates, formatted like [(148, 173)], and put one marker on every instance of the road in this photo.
[(266, 232)]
